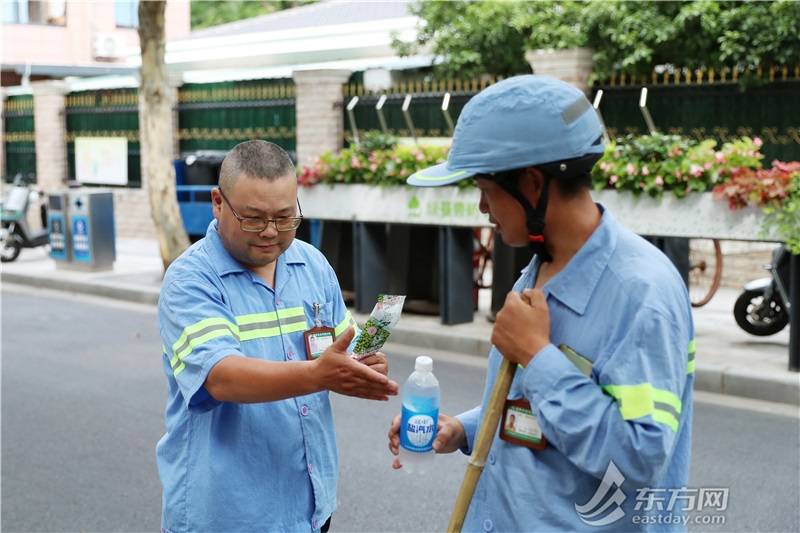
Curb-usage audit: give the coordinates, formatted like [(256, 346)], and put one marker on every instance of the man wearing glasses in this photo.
[(250, 443)]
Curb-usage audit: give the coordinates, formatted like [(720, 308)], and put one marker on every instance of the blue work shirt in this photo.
[(621, 305), (244, 467)]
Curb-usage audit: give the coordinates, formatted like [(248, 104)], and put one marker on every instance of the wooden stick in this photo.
[(483, 442)]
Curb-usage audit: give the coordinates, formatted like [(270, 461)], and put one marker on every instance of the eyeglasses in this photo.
[(257, 225)]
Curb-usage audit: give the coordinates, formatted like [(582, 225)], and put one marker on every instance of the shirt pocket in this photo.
[(324, 313)]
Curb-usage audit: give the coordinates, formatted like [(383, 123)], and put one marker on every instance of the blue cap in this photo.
[(519, 122)]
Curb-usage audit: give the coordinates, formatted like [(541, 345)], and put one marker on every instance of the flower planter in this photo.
[(699, 215), (384, 258), (438, 206)]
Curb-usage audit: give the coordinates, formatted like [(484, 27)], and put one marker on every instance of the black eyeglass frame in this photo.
[(265, 221)]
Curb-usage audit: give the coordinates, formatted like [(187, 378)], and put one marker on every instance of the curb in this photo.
[(733, 381), (128, 293)]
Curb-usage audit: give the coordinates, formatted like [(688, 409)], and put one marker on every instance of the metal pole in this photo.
[(379, 111), (446, 112), (350, 106), (596, 104), (794, 314), (407, 115), (645, 113)]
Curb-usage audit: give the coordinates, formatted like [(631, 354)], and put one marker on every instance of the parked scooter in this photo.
[(15, 233), (763, 308)]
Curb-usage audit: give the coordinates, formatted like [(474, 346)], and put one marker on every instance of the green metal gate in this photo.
[(18, 136)]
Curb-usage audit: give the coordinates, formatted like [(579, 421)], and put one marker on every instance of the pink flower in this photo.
[(630, 169), (372, 330), (720, 157), (420, 156), (707, 166), (758, 142), (659, 181), (613, 179), (696, 170), (645, 171), (605, 167), (373, 167), (354, 162), (641, 185)]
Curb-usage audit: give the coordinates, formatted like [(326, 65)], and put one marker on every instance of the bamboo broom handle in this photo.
[(483, 442)]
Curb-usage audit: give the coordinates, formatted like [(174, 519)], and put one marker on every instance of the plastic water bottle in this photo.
[(420, 417)]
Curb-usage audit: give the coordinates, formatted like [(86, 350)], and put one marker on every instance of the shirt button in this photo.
[(290, 355), (277, 301), (492, 458), (310, 468), (314, 523), (487, 525), (304, 410)]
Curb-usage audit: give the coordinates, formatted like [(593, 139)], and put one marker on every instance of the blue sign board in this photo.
[(81, 249), (58, 237)]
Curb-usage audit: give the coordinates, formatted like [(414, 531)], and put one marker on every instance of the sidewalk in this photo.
[(729, 361)]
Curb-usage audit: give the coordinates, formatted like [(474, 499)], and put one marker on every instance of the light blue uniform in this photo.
[(244, 467), (620, 304)]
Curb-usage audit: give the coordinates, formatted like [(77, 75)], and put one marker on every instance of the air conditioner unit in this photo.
[(107, 46)]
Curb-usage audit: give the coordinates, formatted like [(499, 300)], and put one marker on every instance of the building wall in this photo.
[(71, 45)]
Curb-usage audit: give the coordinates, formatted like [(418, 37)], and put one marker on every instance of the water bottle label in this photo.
[(417, 430)]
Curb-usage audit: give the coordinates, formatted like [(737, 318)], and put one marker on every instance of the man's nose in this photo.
[(483, 204), (270, 231)]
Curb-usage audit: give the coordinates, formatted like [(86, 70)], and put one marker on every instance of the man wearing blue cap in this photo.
[(599, 323)]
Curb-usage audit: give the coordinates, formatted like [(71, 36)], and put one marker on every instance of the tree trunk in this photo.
[(156, 100)]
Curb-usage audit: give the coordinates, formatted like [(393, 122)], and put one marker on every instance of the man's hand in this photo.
[(450, 436), (377, 362), (522, 326), (336, 371)]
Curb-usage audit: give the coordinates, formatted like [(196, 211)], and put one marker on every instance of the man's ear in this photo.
[(530, 184), (216, 202)]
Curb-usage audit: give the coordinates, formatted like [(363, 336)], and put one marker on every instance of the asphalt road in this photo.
[(82, 405)]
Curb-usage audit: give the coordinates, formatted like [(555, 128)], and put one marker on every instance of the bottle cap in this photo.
[(423, 364)]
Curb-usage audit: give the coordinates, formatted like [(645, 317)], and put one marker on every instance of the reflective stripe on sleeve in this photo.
[(692, 350), (637, 401), (198, 333), (247, 327)]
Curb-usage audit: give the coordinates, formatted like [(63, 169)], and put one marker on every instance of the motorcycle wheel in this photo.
[(758, 317), (9, 250)]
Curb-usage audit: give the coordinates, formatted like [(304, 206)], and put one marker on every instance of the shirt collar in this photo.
[(225, 263), (576, 283)]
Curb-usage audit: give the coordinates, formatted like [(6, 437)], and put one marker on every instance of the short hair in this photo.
[(255, 159)]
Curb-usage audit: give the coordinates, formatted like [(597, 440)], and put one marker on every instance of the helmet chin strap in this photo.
[(534, 217)]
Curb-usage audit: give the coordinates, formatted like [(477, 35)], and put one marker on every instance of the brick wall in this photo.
[(132, 214)]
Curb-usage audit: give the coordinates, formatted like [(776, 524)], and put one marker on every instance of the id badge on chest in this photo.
[(520, 425), (318, 338)]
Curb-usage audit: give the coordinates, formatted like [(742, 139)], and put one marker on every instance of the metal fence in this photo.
[(703, 104), (217, 116), (18, 136), (696, 104)]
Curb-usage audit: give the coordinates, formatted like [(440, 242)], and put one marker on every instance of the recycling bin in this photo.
[(58, 227), (91, 224)]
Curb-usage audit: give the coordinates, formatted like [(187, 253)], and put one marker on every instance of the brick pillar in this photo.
[(49, 118), (573, 65), (319, 115)]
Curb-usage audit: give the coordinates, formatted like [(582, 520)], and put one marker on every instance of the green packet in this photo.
[(378, 327)]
